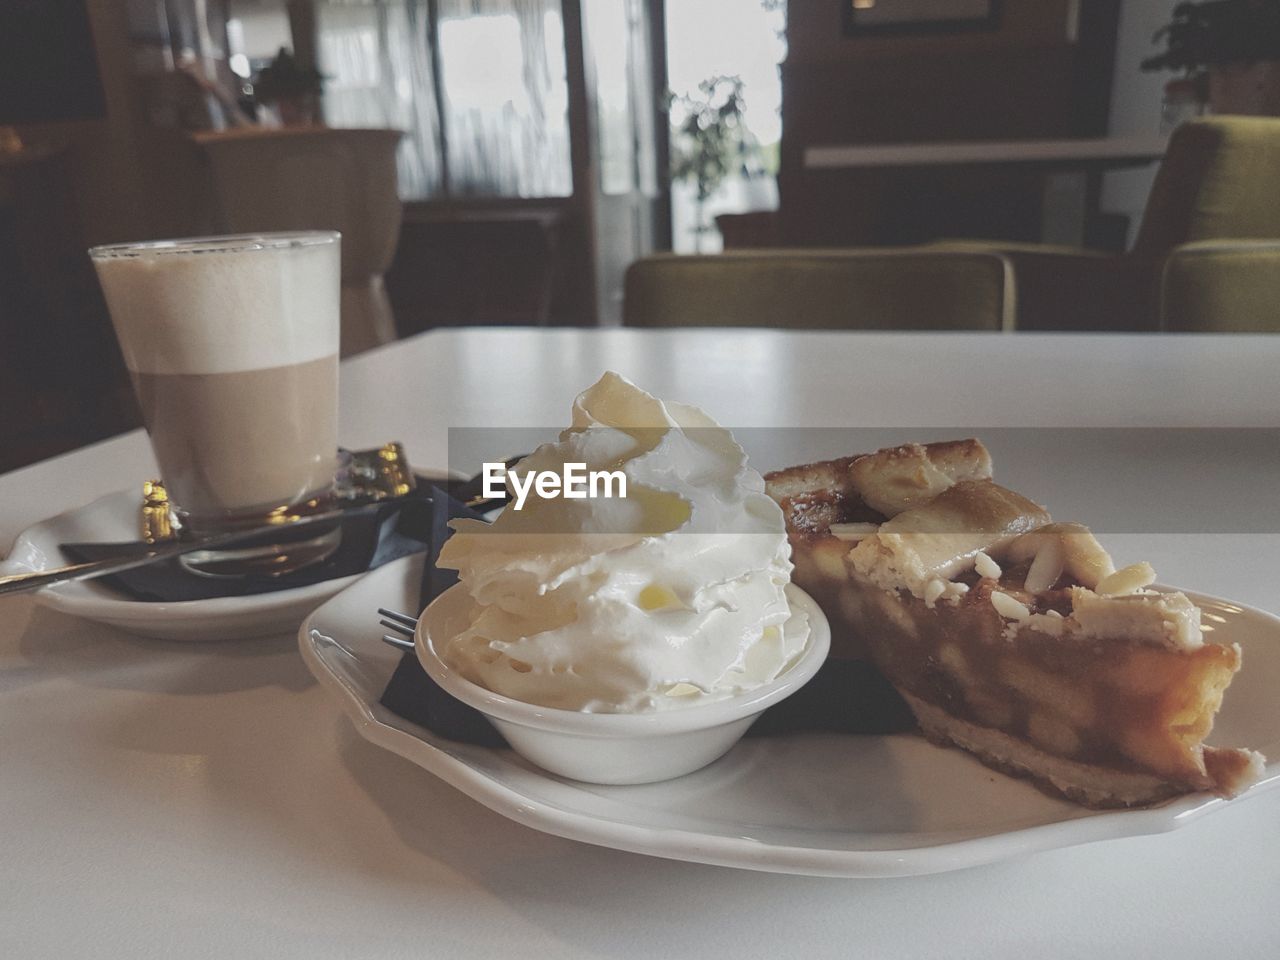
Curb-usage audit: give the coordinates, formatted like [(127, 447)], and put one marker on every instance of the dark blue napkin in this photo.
[(371, 536), (846, 696)]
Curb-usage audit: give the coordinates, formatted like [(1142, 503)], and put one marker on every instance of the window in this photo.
[(479, 86)]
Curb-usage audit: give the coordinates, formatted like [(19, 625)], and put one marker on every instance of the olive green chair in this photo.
[(1218, 186), (916, 289), (1199, 263), (1222, 286)]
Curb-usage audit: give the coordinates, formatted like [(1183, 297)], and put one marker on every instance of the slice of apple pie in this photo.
[(1010, 635)]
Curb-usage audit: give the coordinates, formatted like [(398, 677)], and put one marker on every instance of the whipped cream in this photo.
[(670, 597)]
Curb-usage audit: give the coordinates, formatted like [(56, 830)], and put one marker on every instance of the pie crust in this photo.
[(1009, 635)]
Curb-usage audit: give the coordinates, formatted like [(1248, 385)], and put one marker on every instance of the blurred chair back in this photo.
[(1216, 184), (1217, 180), (1222, 286), (822, 290), (316, 178)]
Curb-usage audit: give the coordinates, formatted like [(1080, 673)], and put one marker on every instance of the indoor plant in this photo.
[(710, 140), (292, 88), (1236, 43)]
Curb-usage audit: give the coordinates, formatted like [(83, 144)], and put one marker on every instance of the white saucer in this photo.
[(115, 518), (819, 804)]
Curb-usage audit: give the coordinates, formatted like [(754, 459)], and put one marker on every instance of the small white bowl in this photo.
[(617, 748)]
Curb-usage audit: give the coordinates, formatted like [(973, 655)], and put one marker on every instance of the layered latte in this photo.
[(233, 348)]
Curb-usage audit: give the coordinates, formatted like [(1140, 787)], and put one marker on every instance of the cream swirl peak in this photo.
[(668, 597)]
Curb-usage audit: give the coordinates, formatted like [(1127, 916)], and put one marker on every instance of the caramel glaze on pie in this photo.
[(1097, 688)]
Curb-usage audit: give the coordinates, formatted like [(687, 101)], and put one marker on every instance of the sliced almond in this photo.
[(1084, 558), (682, 690), (1009, 607), (1047, 567), (854, 532), (1130, 579), (933, 591), (986, 567)]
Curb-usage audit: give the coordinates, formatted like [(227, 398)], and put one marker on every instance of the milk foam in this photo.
[(223, 311)]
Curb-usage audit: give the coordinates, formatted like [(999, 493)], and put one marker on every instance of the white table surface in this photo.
[(1078, 152), (169, 800)]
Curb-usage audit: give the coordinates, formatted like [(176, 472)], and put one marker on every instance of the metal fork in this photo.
[(401, 623), (469, 492)]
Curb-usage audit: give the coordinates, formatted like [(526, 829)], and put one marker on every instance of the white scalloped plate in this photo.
[(818, 804)]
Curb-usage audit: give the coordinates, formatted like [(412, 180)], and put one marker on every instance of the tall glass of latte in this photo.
[(232, 344)]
